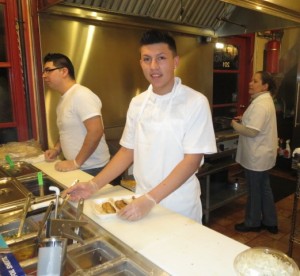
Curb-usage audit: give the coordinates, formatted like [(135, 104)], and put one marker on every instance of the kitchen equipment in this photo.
[(57, 192), (39, 187), (94, 254), (64, 228), (44, 220), (78, 215), (25, 210), (62, 205), (52, 256), (20, 168), (11, 192), (65, 200), (260, 261)]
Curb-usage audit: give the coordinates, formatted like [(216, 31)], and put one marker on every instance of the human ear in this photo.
[(176, 62)]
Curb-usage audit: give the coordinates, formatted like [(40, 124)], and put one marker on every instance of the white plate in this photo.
[(97, 205)]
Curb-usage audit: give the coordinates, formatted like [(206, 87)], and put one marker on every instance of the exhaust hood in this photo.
[(213, 18)]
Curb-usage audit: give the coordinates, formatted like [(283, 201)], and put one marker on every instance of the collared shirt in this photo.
[(259, 153), (160, 130)]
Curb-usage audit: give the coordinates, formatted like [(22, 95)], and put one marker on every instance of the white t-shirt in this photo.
[(259, 153), (161, 129), (77, 105)]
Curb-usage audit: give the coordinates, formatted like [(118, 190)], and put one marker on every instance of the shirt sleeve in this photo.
[(256, 117), (128, 136), (243, 130), (200, 136), (88, 104)]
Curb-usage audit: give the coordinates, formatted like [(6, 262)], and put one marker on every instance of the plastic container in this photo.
[(262, 261)]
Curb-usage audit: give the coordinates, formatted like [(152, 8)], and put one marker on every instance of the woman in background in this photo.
[(257, 151)]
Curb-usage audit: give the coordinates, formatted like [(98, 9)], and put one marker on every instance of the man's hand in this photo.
[(80, 190), (51, 155), (65, 166), (138, 208)]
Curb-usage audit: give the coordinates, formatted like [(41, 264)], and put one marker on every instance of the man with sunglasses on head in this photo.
[(79, 120)]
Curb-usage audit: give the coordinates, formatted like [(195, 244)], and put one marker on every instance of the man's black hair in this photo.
[(60, 60), (157, 36)]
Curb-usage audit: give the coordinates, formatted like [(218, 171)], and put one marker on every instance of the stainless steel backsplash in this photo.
[(106, 60)]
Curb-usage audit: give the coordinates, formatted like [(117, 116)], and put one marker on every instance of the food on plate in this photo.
[(108, 208), (120, 203)]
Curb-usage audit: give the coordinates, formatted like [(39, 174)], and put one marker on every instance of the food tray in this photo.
[(19, 169), (30, 268), (94, 254), (11, 190), (122, 267), (30, 182), (10, 230), (97, 205)]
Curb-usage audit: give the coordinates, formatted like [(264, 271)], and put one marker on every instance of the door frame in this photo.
[(245, 43)]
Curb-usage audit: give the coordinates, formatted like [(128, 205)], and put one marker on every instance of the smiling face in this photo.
[(256, 85), (158, 63)]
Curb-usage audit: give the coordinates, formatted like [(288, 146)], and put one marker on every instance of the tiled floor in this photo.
[(224, 219)]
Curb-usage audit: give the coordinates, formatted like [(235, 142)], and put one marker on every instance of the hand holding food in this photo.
[(138, 208)]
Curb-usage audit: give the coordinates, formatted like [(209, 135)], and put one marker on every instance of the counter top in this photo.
[(177, 244)]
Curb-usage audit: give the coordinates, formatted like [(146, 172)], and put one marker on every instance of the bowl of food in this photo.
[(259, 261)]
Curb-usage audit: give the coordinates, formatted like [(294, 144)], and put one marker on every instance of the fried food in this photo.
[(108, 208), (120, 204)]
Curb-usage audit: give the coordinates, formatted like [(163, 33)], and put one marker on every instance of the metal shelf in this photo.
[(224, 196), (217, 193)]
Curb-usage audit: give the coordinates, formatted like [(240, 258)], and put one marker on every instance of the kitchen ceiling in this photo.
[(213, 17)]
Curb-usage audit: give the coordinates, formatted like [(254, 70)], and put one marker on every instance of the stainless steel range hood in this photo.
[(201, 17)]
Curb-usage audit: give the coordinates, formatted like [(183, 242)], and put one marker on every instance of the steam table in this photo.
[(163, 236)]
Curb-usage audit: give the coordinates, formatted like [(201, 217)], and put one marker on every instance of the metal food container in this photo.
[(99, 253), (24, 249), (30, 182), (94, 254), (11, 191), (9, 231), (87, 232), (19, 169), (30, 268), (122, 267)]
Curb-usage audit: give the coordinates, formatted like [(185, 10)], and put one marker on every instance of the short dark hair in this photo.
[(267, 78), (157, 36), (60, 60)]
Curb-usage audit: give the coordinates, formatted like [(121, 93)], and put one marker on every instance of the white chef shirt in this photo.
[(75, 106), (259, 153), (161, 129)]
